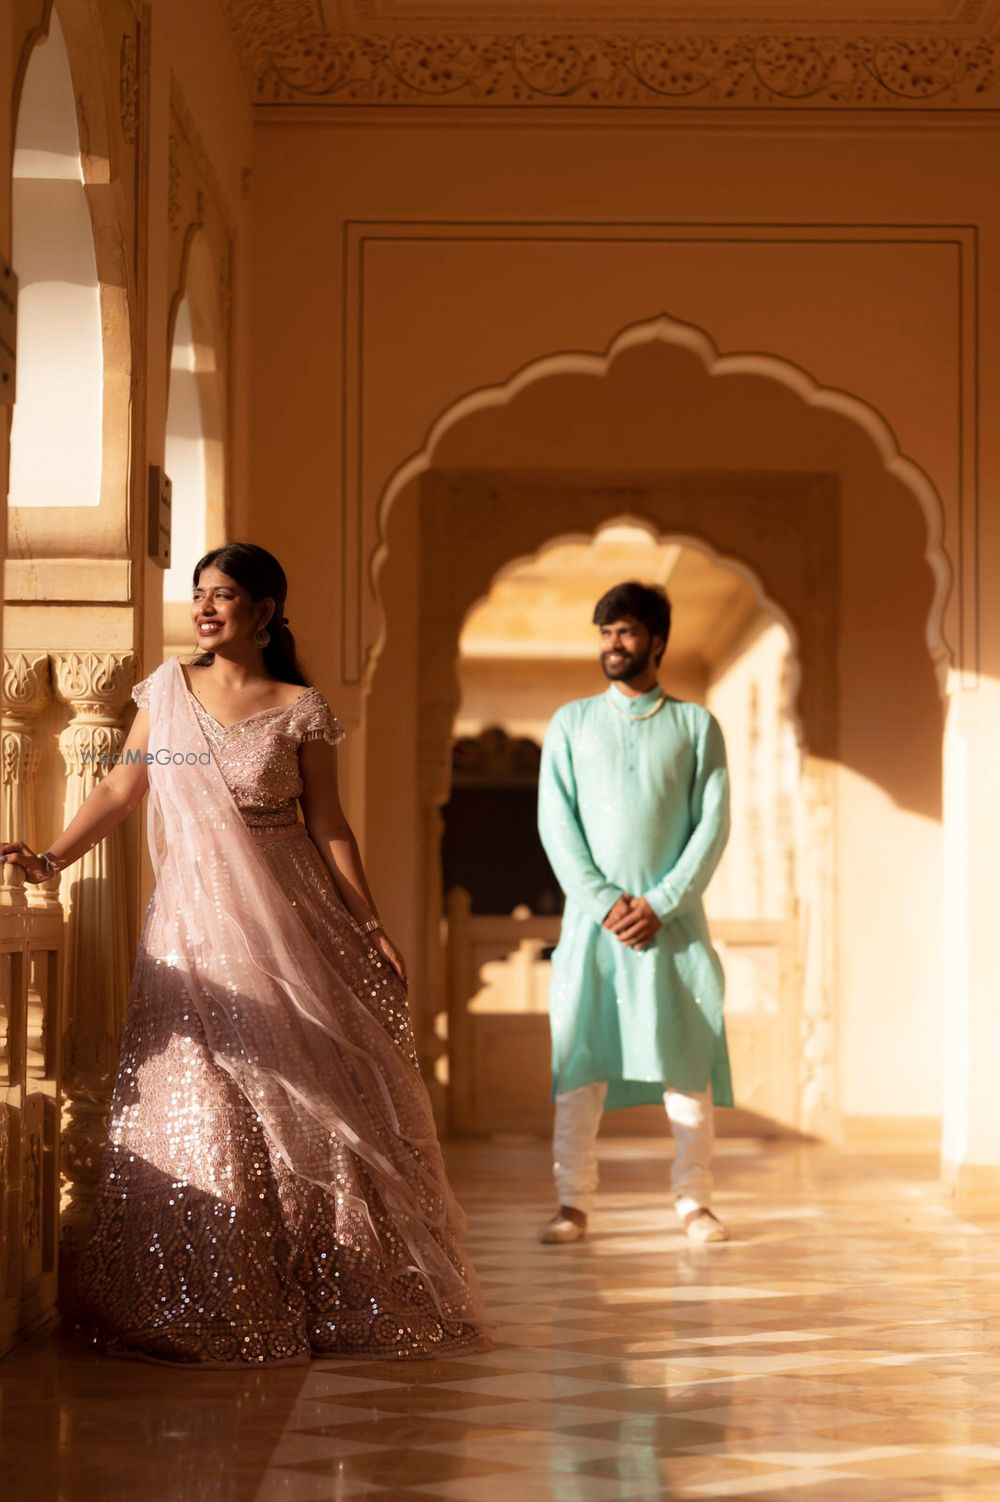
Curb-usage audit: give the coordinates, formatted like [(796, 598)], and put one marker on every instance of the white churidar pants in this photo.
[(574, 1145)]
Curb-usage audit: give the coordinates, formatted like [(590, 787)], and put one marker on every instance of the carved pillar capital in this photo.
[(25, 684), (93, 683), (96, 687)]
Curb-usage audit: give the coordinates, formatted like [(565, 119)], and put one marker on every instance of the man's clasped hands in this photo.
[(633, 922)]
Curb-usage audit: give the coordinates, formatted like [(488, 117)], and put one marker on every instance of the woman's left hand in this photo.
[(388, 950)]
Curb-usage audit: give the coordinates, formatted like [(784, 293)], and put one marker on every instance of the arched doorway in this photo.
[(805, 489), (60, 353), (195, 447), (71, 460), (523, 651)]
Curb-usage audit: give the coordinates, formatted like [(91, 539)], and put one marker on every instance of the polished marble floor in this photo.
[(843, 1347)]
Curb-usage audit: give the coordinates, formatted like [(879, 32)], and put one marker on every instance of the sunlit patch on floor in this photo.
[(840, 1348)]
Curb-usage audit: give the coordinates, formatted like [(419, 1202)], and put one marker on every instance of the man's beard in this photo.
[(632, 665)]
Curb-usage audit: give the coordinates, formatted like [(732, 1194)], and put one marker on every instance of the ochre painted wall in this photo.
[(399, 269)]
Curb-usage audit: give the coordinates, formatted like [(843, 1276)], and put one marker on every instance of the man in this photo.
[(633, 811)]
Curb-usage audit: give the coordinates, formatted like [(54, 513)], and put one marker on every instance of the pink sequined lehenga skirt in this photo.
[(207, 1249)]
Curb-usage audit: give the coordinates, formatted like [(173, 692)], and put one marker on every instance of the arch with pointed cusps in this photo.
[(673, 334), (575, 511), (509, 469), (496, 1063), (736, 565)]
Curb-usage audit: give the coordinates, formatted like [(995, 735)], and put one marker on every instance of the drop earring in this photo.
[(262, 637)]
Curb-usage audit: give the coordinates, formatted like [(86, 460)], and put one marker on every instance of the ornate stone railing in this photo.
[(31, 926), (498, 1027), (64, 972), (30, 957)]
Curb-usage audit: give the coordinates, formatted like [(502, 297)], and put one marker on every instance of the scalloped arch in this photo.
[(676, 334), (717, 556)]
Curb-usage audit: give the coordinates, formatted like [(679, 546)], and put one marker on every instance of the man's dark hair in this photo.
[(647, 603)]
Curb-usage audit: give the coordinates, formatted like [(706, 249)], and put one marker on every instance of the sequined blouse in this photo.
[(259, 756)]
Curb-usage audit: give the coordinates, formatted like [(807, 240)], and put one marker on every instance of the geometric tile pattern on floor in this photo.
[(843, 1346)]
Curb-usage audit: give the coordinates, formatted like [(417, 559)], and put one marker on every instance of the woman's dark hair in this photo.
[(261, 575), (646, 603)]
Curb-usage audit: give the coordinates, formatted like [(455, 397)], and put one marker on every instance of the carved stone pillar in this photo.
[(25, 692), (430, 1019), (432, 1043), (97, 961), (970, 1138), (819, 1102)]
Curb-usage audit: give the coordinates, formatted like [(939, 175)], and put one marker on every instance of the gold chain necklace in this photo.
[(649, 712)]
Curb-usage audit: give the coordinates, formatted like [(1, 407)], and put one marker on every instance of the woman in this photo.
[(272, 1185)]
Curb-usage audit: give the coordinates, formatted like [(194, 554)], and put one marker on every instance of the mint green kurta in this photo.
[(641, 806)]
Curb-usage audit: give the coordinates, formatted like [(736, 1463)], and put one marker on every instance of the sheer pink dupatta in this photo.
[(316, 1065)]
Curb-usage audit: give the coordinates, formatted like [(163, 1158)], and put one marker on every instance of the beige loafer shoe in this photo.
[(702, 1227), (565, 1227)]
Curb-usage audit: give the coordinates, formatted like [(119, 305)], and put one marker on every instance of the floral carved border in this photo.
[(289, 59)]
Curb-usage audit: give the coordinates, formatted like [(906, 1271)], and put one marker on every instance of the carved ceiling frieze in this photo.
[(292, 55)]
